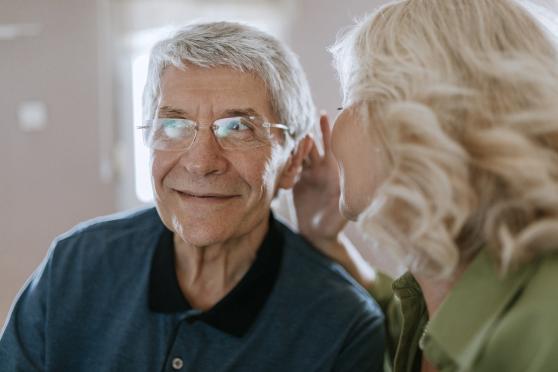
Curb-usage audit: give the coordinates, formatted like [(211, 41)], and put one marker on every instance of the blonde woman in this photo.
[(447, 147)]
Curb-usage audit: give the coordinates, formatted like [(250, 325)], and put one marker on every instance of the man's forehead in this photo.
[(218, 89), (209, 77)]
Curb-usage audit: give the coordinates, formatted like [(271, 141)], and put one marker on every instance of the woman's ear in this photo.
[(293, 168)]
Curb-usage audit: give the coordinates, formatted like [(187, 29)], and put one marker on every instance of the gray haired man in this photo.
[(209, 280)]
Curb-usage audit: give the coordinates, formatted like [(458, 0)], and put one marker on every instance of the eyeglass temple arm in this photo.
[(282, 126)]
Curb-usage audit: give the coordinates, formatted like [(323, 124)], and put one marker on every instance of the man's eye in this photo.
[(173, 128), (233, 126), (238, 125), (172, 123)]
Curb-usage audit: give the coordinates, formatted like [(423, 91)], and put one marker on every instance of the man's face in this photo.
[(206, 194)]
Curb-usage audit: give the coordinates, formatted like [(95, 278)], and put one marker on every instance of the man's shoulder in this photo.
[(320, 300), (126, 220), (121, 223), (315, 273), (300, 252), (121, 232)]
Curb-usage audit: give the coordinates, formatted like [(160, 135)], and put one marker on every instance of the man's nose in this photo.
[(205, 155)]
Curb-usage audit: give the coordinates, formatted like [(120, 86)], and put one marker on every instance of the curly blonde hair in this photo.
[(464, 94)]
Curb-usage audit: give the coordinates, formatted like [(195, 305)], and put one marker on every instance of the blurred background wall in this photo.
[(52, 92), (67, 101)]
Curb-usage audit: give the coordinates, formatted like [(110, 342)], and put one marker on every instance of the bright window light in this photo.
[(141, 153)]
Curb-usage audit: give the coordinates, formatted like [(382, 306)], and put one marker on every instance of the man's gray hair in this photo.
[(243, 48)]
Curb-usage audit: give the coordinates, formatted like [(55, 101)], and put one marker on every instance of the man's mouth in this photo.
[(206, 196)]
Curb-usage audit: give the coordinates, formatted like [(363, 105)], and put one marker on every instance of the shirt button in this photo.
[(177, 364)]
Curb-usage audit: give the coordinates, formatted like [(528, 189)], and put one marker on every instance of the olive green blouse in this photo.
[(487, 323)]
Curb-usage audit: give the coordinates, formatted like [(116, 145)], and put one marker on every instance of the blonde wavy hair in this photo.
[(464, 94)]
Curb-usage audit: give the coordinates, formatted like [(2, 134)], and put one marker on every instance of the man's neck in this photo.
[(207, 274)]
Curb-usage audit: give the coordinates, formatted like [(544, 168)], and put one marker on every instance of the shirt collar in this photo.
[(478, 298), (413, 319), (238, 310)]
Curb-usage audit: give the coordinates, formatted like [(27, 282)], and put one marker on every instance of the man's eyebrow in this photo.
[(179, 113), (240, 112), (174, 112)]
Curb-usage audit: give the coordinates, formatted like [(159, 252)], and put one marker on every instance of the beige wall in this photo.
[(49, 179), (315, 28)]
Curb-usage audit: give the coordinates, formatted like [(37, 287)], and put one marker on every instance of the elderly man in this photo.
[(208, 281)]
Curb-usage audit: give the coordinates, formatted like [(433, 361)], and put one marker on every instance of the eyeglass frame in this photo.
[(196, 126)]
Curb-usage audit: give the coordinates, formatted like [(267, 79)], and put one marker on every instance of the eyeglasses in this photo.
[(234, 133)]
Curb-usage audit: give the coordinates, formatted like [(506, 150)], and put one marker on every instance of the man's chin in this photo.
[(202, 239), (200, 231)]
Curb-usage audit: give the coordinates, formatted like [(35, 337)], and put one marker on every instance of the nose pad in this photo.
[(205, 155), (210, 134)]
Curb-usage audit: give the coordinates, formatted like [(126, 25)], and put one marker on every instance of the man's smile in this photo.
[(205, 197)]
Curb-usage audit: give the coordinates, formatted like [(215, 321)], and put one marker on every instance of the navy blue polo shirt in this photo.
[(236, 312), (106, 298)]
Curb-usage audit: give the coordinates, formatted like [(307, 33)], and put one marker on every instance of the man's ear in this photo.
[(293, 167)]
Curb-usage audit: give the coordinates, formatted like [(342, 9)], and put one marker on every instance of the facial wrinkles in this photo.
[(178, 178), (227, 181), (277, 157), (181, 180), (204, 96)]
